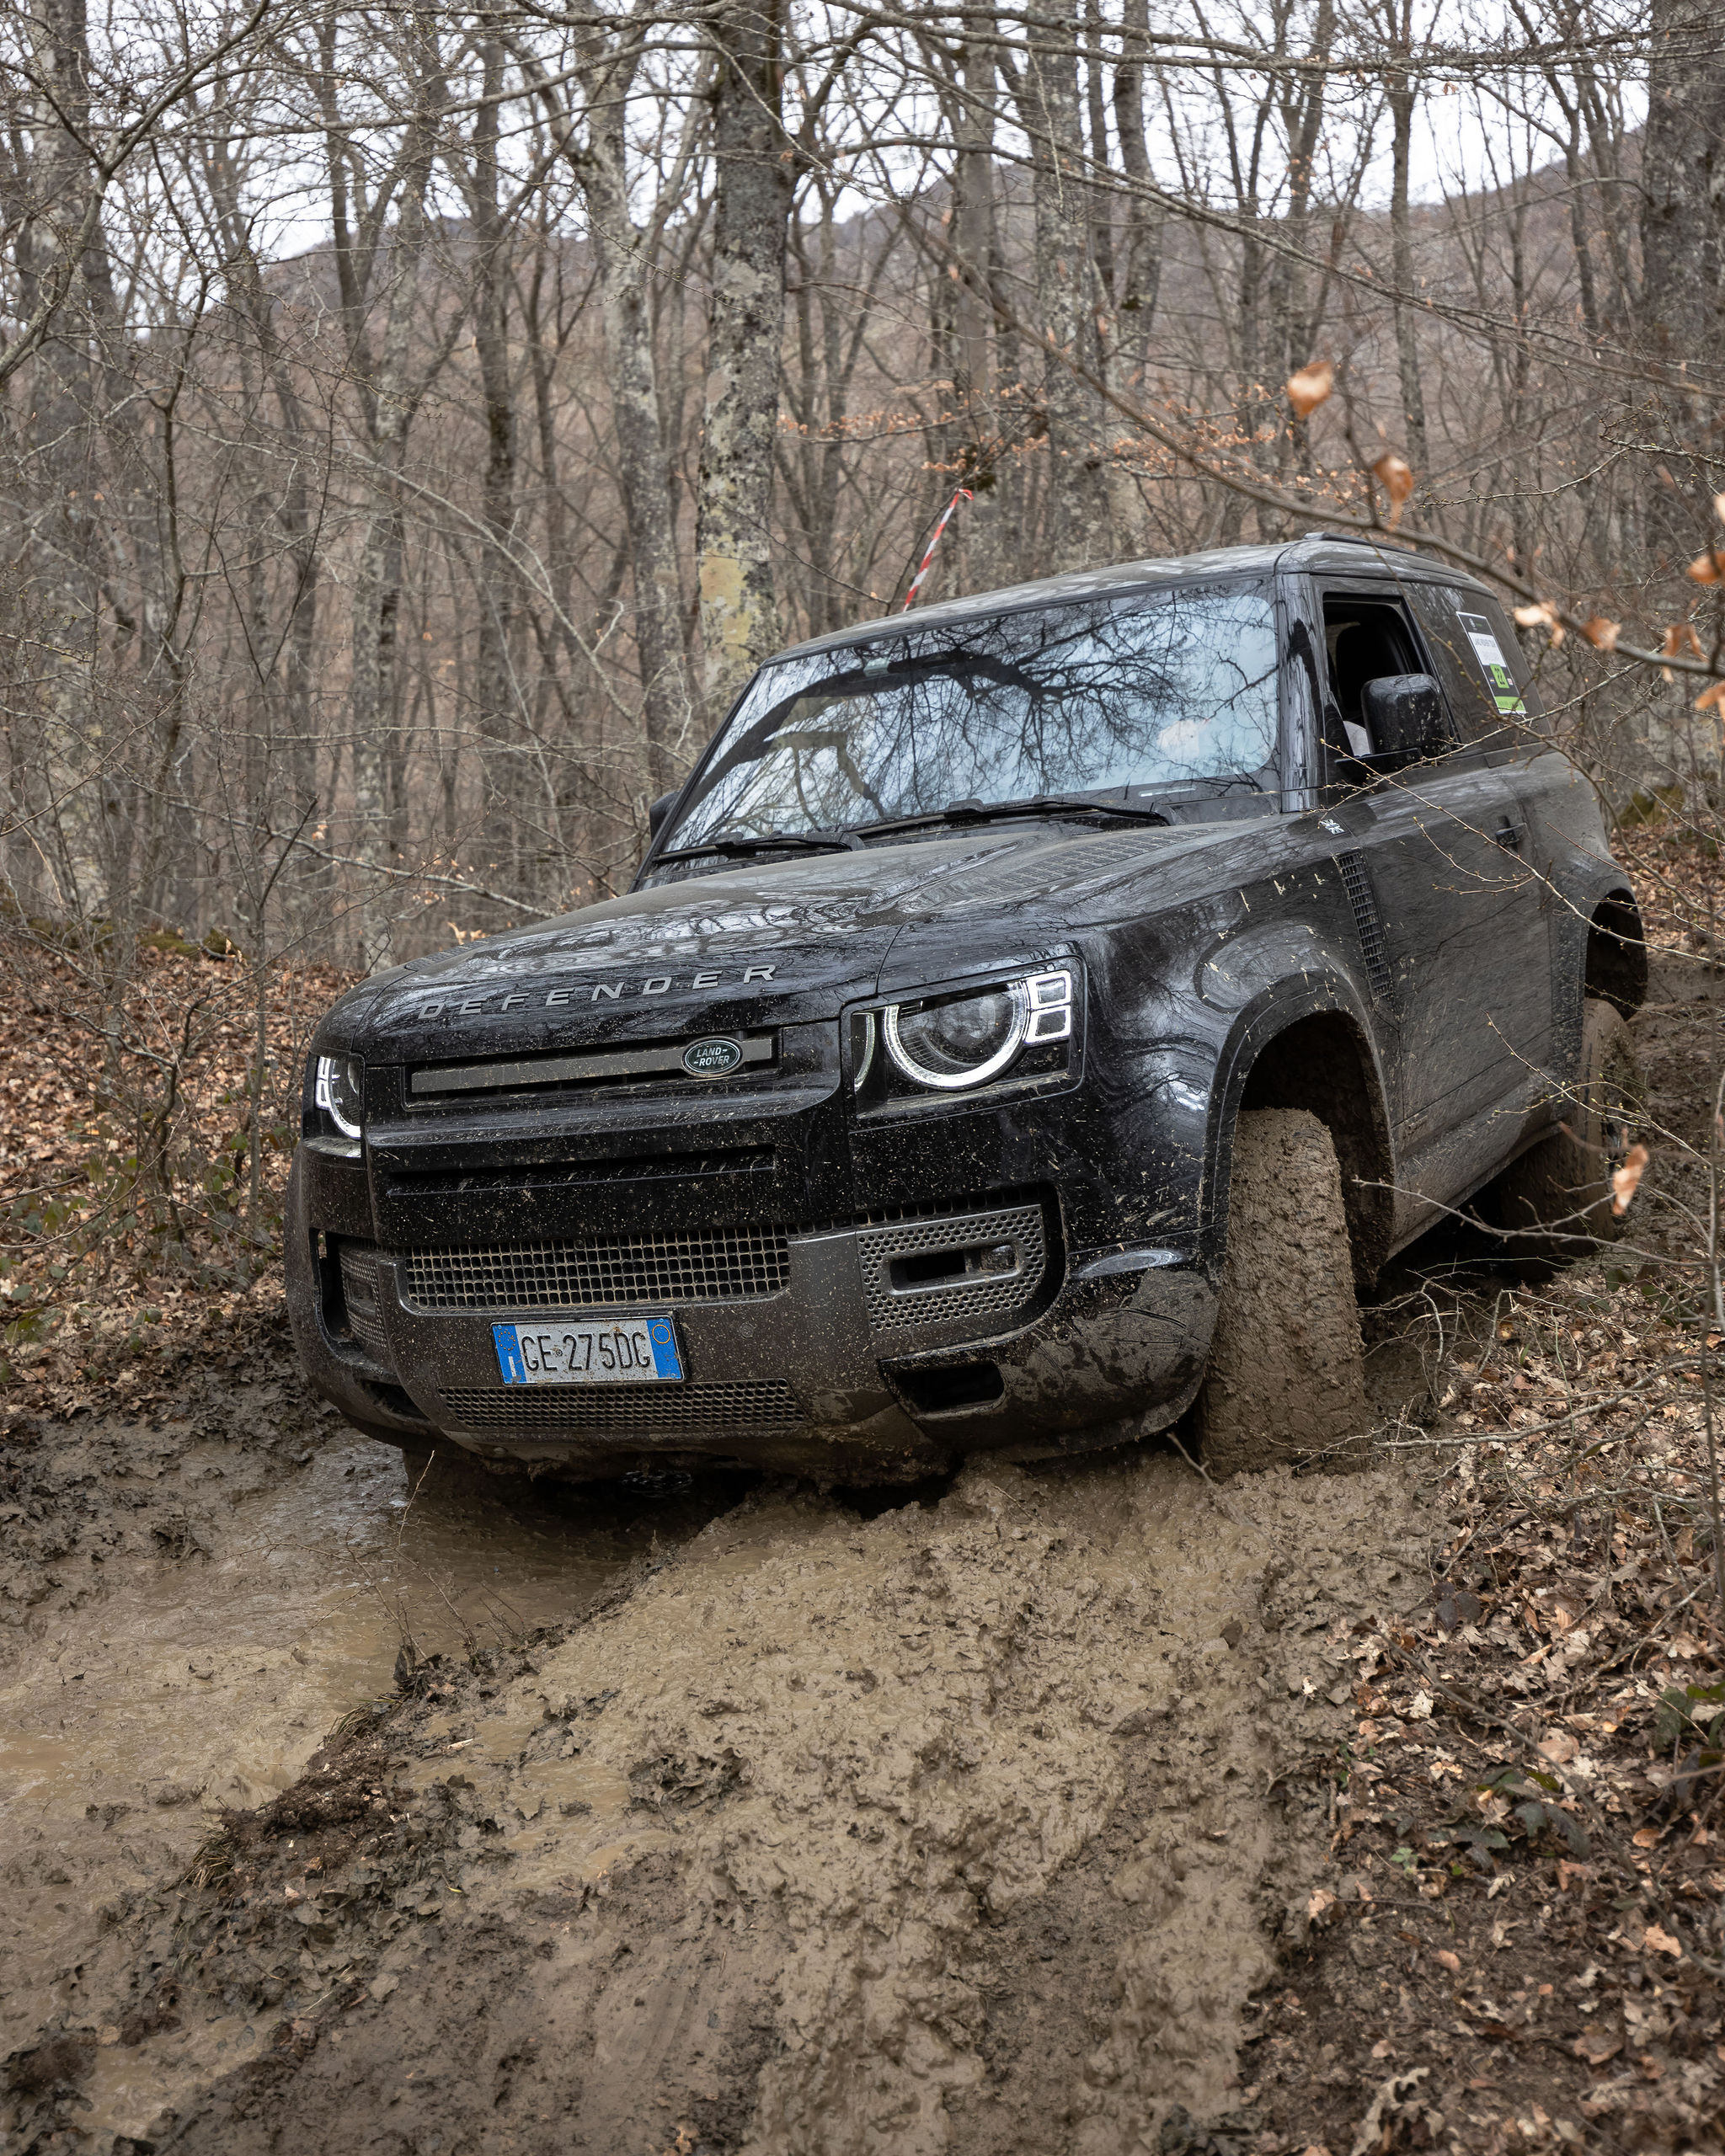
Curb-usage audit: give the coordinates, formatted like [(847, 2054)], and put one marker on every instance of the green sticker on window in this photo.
[(1490, 654)]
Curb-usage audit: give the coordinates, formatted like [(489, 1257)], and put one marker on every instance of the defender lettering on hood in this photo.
[(557, 998)]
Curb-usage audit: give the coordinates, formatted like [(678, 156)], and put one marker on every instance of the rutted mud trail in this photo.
[(971, 1826), (192, 1603)]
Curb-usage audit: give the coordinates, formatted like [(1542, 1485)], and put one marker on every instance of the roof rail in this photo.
[(1357, 539)]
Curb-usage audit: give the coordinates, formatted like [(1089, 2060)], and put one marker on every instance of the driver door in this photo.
[(1445, 842)]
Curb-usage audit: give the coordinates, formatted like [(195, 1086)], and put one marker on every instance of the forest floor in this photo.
[(1085, 1808)]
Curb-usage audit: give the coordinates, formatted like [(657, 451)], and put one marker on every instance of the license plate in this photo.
[(602, 1351)]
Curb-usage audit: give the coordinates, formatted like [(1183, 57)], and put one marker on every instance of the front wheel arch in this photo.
[(1292, 1055)]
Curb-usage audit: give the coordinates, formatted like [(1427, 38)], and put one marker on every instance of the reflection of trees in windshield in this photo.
[(1176, 687)]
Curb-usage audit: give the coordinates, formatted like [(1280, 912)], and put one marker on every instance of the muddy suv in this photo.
[(1034, 1017)]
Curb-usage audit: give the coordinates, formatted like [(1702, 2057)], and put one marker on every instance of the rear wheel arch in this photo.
[(1616, 965)]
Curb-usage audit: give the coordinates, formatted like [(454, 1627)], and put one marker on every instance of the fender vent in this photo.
[(979, 1265), (1363, 901)]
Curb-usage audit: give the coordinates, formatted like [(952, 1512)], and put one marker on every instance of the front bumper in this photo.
[(877, 1348)]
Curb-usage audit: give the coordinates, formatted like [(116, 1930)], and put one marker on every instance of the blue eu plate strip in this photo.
[(509, 1354), (666, 1359)]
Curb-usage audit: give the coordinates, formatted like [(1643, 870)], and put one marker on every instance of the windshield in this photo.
[(1166, 689)]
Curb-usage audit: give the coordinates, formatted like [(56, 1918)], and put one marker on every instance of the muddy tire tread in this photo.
[(1286, 1378)]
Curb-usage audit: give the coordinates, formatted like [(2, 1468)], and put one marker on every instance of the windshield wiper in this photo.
[(772, 842), (1035, 804)]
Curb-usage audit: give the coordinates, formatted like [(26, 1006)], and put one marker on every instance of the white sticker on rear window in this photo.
[(1490, 652)]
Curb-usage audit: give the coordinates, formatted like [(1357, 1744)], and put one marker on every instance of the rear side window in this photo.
[(1478, 663)]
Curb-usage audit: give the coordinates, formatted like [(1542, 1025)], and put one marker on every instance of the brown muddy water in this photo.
[(199, 1672)]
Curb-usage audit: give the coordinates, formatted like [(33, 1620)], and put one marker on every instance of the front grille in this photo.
[(518, 1182), (358, 1291), (625, 1410), (1015, 1234), (1364, 900), (720, 1265)]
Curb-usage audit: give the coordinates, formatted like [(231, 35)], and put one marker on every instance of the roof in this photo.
[(1317, 550)]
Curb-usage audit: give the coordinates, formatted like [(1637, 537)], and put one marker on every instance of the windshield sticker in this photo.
[(1490, 652)]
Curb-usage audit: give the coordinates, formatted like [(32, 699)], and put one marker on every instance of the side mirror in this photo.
[(1405, 712), (657, 811)]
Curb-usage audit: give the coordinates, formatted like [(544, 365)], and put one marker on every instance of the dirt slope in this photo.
[(965, 1828)]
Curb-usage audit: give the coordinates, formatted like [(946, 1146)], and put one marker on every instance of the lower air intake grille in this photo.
[(358, 1291), (725, 1265), (625, 1410), (976, 1265), (1364, 903)]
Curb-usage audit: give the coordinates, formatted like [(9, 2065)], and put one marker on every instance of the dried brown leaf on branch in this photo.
[(1601, 633), (1681, 641), (1712, 698), (1309, 389), (1708, 568), (1541, 615), (1395, 475), (1626, 1180)]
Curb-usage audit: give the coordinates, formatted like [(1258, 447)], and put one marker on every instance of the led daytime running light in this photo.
[(331, 1077)]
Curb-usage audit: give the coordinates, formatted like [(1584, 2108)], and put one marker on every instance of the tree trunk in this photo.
[(1141, 241), (1403, 94), (1303, 113), (496, 695), (667, 696), (1075, 526), (1683, 254), (376, 605), (751, 208)]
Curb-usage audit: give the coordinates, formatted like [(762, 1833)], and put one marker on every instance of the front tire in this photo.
[(1286, 1379), (1555, 1202)]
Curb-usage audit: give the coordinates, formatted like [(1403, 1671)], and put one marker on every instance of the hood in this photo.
[(753, 946)]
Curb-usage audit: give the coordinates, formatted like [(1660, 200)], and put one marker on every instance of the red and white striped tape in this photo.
[(964, 495)]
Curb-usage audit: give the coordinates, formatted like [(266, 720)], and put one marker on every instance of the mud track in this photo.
[(970, 1826)]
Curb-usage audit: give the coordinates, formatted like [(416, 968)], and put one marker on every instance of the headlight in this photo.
[(959, 1041), (341, 1092)]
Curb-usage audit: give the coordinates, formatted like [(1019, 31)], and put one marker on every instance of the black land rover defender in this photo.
[(1035, 1015)]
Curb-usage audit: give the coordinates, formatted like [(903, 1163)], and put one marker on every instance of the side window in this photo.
[(1366, 636), (1478, 662)]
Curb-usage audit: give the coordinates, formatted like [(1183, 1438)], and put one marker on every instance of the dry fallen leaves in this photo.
[(1308, 388), (1395, 475), (1596, 2045), (1657, 1940), (1626, 1180)]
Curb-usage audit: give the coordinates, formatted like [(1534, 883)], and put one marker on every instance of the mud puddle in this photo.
[(186, 1684), (970, 1826)]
